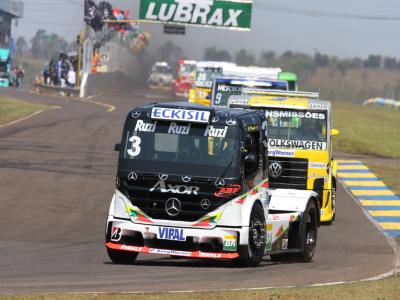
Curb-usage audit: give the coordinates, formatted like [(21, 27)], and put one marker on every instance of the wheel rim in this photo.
[(256, 234)]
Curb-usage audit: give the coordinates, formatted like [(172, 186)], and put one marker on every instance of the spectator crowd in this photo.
[(60, 71)]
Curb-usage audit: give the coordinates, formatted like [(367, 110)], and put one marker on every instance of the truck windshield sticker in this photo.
[(294, 114), (141, 126), (292, 144), (184, 115), (211, 131), (174, 128)]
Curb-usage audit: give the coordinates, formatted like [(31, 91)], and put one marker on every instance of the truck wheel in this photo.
[(122, 257), (308, 234), (251, 254)]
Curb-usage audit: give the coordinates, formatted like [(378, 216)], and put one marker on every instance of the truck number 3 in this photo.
[(135, 148)]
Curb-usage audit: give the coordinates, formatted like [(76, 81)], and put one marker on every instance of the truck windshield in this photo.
[(205, 76), (299, 129), (205, 150), (161, 69), (187, 69)]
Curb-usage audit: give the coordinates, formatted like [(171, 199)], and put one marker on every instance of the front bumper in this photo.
[(219, 242)]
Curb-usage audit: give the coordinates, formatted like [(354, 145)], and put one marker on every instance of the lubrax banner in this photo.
[(232, 14)]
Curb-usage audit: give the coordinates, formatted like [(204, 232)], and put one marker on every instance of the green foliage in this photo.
[(245, 58), (169, 52), (47, 45), (373, 61), (212, 53)]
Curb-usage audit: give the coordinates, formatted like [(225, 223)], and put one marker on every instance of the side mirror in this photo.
[(250, 161), (117, 147), (335, 132)]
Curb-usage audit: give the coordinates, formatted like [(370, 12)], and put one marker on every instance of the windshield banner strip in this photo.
[(293, 144), (183, 115)]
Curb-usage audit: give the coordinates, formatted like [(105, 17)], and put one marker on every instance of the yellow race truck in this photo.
[(204, 77), (300, 135)]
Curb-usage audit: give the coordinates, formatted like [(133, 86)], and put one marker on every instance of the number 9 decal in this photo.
[(135, 148), (218, 98)]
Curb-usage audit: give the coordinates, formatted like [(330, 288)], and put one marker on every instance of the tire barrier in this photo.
[(390, 103)]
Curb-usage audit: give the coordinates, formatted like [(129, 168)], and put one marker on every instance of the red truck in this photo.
[(185, 77)]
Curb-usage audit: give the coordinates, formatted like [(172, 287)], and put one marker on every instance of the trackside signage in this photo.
[(183, 115), (233, 14)]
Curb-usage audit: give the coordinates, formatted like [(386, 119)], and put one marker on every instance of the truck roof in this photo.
[(216, 115), (279, 100), (271, 73), (214, 64), (247, 80)]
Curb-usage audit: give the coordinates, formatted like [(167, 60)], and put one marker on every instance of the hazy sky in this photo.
[(345, 28)]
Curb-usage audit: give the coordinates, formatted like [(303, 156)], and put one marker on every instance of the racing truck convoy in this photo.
[(299, 143), (192, 181), (185, 77), (207, 71)]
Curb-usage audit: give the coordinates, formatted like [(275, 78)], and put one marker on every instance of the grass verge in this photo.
[(11, 110), (388, 288), (370, 130)]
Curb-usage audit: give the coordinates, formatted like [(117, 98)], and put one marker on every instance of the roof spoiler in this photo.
[(265, 92)]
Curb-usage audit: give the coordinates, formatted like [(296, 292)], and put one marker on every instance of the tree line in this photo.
[(43, 45)]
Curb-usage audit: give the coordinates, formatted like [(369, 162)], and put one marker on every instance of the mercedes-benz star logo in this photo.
[(132, 176), (230, 121), (215, 119), (173, 207), (136, 114), (219, 183), (205, 204), (275, 170), (163, 177), (186, 179)]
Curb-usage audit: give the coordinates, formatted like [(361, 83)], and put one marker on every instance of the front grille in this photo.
[(190, 207), (153, 203), (294, 173)]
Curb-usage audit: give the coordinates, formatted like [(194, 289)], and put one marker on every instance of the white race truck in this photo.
[(192, 181)]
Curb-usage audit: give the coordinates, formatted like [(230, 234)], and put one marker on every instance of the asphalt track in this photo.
[(56, 182)]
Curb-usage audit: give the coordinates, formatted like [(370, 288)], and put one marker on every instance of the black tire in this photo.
[(308, 233), (122, 257), (252, 254)]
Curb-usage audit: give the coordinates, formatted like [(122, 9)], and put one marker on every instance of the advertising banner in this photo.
[(231, 14)]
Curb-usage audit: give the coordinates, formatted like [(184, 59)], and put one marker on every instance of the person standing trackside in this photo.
[(71, 78), (95, 61)]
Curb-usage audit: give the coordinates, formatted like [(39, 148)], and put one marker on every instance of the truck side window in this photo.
[(251, 156)]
